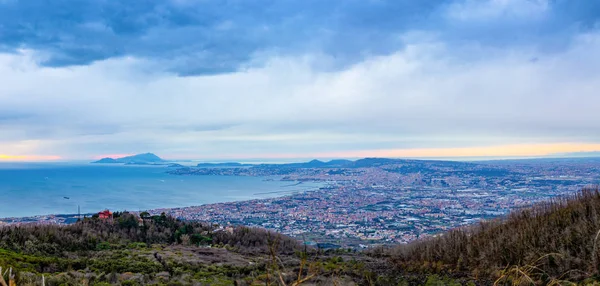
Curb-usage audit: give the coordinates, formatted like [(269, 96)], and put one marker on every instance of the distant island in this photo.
[(139, 159)]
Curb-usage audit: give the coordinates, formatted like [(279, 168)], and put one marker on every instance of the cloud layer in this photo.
[(211, 79)]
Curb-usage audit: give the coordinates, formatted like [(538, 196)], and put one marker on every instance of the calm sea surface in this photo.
[(36, 189)]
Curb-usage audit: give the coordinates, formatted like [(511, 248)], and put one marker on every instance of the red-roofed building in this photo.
[(106, 214)]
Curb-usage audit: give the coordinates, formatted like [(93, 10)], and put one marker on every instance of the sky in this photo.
[(243, 79)]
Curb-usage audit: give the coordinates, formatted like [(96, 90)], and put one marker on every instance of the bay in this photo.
[(28, 189)]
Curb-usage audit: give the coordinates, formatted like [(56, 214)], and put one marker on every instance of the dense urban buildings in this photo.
[(374, 201)]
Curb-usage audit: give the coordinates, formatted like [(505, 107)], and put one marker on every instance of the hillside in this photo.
[(550, 242), (161, 250)]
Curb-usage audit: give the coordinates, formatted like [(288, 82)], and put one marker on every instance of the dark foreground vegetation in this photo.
[(553, 243), (549, 243), (161, 250)]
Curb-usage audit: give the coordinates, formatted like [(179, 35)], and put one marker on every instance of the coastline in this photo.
[(66, 218), (34, 190)]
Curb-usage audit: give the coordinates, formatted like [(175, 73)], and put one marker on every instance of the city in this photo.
[(370, 202), (397, 202)]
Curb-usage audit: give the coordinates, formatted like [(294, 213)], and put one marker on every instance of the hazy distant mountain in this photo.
[(106, 160), (338, 163), (581, 154), (362, 163), (146, 158), (176, 165), (227, 164)]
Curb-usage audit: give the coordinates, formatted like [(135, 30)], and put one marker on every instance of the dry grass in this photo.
[(551, 242)]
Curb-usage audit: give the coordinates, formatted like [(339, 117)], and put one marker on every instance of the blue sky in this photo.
[(257, 78)]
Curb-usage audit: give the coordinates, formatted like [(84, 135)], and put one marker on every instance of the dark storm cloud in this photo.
[(204, 37)]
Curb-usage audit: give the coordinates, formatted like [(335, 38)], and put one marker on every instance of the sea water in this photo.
[(28, 189)]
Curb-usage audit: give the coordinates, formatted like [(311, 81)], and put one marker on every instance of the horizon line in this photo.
[(513, 151)]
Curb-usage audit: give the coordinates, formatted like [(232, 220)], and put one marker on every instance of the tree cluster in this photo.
[(93, 234)]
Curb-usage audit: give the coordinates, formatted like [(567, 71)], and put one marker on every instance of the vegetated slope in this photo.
[(161, 250), (128, 228), (128, 250), (557, 240)]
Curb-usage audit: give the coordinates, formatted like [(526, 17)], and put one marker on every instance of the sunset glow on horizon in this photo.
[(24, 158), (513, 150)]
